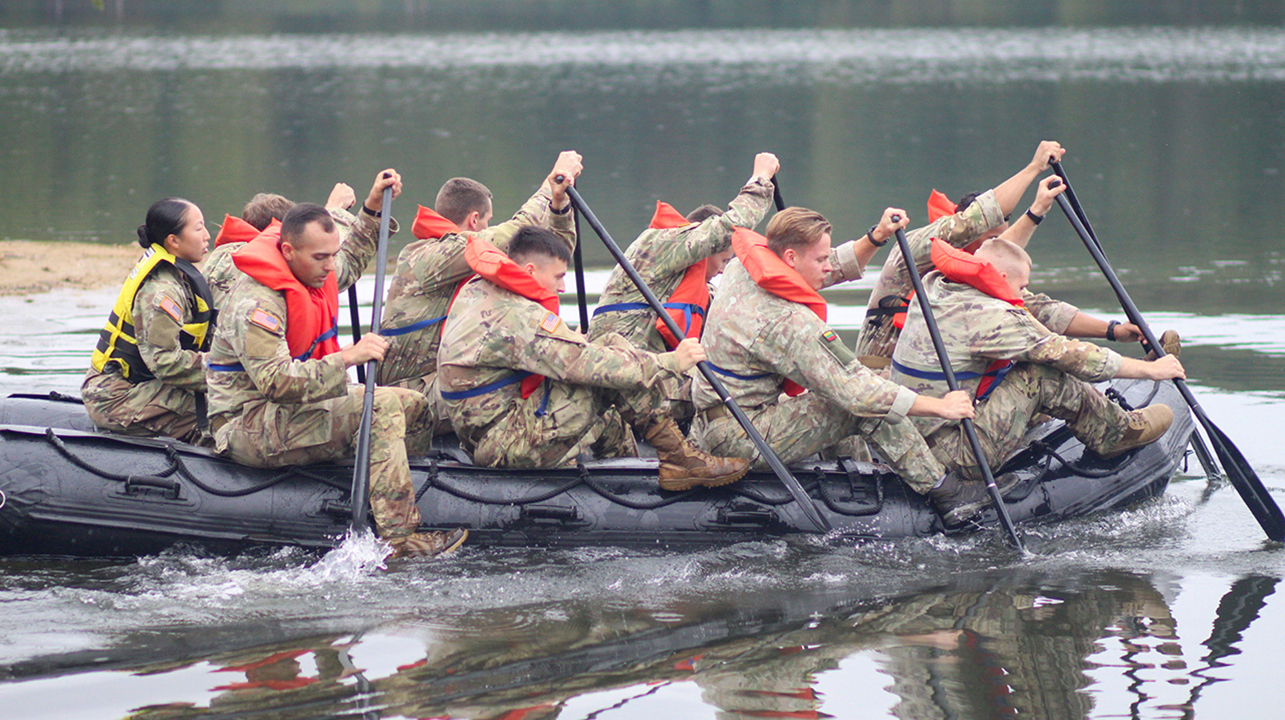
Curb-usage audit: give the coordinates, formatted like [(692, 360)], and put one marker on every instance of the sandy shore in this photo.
[(31, 266)]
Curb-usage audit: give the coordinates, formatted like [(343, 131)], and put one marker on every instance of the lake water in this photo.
[(1177, 146)]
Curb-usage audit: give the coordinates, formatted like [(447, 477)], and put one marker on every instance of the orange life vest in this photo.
[(773, 275), (487, 261), (689, 302), (236, 230), (939, 206), (430, 225), (963, 267), (312, 314)]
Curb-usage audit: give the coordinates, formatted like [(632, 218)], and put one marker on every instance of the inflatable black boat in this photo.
[(66, 489)]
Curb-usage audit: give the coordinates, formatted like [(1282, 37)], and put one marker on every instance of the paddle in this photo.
[(1212, 473), (361, 466), (973, 441), (1242, 476), (776, 194), (355, 316), (791, 484), (578, 256)]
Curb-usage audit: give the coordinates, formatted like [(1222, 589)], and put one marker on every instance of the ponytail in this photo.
[(164, 218)]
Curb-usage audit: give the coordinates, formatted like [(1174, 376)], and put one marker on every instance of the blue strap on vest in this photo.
[(238, 367), (998, 376), (729, 373), (394, 332), (544, 401), (491, 387), (687, 308), (504, 382)]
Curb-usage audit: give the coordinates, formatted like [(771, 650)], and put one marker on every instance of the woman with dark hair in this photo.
[(147, 375)]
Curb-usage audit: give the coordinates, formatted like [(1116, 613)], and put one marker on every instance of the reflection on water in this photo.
[(1024, 644), (1177, 148)]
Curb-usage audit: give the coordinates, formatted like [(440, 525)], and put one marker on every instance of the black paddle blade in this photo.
[(1251, 489)]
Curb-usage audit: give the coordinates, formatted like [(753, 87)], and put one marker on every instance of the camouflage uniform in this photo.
[(165, 405), (280, 411), (662, 256), (879, 335), (1048, 374), (763, 338), (427, 274), (222, 273), (593, 392)]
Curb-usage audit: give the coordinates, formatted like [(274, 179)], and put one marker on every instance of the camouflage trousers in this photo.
[(268, 434), (437, 419), (809, 423), (1003, 418), (575, 419), (146, 409)]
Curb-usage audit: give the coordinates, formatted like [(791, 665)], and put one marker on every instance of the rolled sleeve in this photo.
[(901, 405)]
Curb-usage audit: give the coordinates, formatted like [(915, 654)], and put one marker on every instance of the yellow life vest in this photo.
[(117, 343)]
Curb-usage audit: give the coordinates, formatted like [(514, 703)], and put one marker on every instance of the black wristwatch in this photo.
[(1037, 219), (870, 235), (1111, 329), (556, 211), (370, 212)]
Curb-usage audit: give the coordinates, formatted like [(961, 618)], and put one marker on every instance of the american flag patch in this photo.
[(171, 308), (550, 322), (266, 320)]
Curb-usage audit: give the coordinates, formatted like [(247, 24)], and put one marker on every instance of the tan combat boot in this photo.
[(1145, 426), (1170, 341), (427, 544), (684, 466)]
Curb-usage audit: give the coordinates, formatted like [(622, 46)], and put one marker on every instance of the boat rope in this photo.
[(177, 465), (3, 499)]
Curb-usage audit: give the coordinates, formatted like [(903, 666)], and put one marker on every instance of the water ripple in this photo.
[(776, 56)]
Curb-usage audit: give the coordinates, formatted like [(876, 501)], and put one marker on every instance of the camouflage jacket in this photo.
[(662, 256), (878, 334), (762, 338), (221, 273), (157, 331), (492, 333), (427, 274), (270, 374), (978, 329)]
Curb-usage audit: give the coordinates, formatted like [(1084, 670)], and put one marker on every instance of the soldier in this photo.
[(431, 269), (676, 252), (767, 333), (262, 210), (279, 391), (977, 217), (504, 330), (146, 374), (677, 257), (1014, 366)]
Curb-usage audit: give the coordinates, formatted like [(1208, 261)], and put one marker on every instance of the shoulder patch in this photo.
[(171, 308), (833, 344), (266, 320), (550, 323)]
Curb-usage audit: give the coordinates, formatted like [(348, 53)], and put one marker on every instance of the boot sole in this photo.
[(681, 484)]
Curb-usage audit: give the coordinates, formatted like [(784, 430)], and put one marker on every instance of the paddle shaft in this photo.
[(776, 194), (578, 257), (361, 467), (1202, 451), (1251, 489), (355, 316), (791, 484), (925, 307)]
